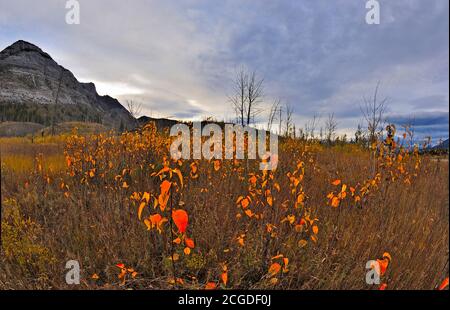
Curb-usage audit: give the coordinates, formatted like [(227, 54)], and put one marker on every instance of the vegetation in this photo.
[(134, 218), (48, 114)]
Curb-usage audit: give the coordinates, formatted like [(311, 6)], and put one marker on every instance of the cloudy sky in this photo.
[(178, 58)]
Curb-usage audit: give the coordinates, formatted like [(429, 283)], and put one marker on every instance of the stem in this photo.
[(171, 237)]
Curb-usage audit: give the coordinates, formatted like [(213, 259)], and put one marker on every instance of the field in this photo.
[(133, 218)]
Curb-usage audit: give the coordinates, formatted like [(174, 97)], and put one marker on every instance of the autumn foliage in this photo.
[(135, 218)]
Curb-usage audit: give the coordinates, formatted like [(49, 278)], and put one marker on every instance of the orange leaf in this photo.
[(335, 202), (240, 240), (315, 229), (336, 182), (189, 242), (187, 251), (444, 284), (145, 196), (141, 208), (383, 263), (249, 213), (180, 218), (278, 256), (180, 176), (164, 196), (210, 286), (156, 220), (224, 277), (177, 241), (274, 269)]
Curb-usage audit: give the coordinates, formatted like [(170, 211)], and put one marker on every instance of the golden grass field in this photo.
[(135, 219)]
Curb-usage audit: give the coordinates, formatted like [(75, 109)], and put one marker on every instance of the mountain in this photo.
[(444, 145), (34, 88)]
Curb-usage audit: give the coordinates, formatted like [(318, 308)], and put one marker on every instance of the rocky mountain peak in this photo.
[(30, 78), (22, 46)]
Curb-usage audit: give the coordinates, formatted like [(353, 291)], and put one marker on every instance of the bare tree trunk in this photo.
[(254, 96), (289, 112), (373, 111), (273, 114), (330, 128)]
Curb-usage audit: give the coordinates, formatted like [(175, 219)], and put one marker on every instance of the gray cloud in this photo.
[(178, 57)]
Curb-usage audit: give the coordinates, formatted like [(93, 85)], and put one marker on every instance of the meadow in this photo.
[(135, 219)]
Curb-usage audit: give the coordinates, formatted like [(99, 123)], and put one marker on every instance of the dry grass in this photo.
[(53, 213)]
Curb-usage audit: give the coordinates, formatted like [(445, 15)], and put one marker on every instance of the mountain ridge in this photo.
[(30, 78)]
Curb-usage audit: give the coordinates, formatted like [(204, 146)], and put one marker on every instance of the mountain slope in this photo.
[(33, 87), (444, 145)]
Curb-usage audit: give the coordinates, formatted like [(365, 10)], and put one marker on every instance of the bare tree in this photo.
[(280, 120), (289, 112), (134, 108), (310, 127), (359, 135), (273, 113), (239, 97), (246, 97), (373, 111), (330, 127), (254, 96)]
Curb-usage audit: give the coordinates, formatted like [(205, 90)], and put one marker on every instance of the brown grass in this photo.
[(96, 222)]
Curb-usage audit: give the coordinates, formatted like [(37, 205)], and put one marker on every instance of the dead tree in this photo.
[(247, 96), (310, 127), (254, 96), (134, 108), (289, 112), (273, 113), (280, 120), (239, 97), (373, 111), (330, 128)]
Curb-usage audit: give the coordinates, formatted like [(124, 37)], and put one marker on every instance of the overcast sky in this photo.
[(178, 58)]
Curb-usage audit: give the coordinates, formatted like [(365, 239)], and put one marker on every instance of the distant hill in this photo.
[(34, 88), (444, 145)]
